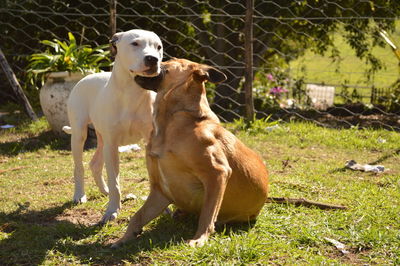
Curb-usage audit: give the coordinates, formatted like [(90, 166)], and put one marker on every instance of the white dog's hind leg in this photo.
[(112, 166), (96, 165), (78, 137)]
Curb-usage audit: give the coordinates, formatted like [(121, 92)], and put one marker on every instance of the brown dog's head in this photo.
[(182, 76)]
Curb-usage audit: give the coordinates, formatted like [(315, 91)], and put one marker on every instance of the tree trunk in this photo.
[(19, 93)]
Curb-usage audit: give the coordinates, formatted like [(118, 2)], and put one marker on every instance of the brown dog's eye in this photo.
[(159, 47), (135, 44), (166, 71)]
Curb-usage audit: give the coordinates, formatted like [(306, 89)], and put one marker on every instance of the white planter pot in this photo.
[(54, 95)]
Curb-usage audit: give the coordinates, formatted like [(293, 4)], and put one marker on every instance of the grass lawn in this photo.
[(40, 225), (350, 70)]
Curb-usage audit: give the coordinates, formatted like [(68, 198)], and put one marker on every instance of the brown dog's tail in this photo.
[(305, 202)]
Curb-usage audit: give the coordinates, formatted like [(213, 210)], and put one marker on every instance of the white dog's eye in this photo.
[(159, 47), (135, 44)]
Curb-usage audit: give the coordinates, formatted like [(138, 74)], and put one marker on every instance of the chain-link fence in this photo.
[(322, 61)]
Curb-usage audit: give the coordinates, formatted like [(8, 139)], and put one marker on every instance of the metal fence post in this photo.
[(248, 44), (113, 17)]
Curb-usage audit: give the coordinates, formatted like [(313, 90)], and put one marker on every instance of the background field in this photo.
[(351, 69), (40, 225)]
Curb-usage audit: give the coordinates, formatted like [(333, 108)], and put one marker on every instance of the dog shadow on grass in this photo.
[(162, 233), (30, 144), (44, 140), (27, 236), (32, 237)]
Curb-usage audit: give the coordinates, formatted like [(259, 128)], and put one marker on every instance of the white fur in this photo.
[(120, 111)]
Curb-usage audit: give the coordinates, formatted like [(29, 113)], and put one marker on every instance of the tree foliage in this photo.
[(212, 31)]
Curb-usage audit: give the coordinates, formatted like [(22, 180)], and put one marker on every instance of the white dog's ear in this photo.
[(113, 42)]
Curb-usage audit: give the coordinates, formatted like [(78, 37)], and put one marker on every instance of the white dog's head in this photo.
[(139, 51)]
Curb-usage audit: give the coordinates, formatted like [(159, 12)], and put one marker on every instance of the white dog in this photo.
[(120, 111)]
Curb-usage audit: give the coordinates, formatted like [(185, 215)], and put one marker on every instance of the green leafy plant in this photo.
[(255, 126), (66, 56)]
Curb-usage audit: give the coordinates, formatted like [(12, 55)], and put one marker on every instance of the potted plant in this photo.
[(58, 69)]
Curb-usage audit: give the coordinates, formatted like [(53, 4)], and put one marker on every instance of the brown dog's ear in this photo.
[(113, 43), (216, 76), (210, 74)]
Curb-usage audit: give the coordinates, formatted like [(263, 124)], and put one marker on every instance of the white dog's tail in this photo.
[(67, 130)]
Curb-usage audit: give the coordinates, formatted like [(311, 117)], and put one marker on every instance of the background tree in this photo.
[(208, 31)]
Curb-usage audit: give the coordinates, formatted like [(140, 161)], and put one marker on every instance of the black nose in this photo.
[(150, 60)]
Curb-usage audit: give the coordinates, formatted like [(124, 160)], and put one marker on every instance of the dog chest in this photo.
[(130, 131), (183, 188)]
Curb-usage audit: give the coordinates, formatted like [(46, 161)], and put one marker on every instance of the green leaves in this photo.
[(65, 56)]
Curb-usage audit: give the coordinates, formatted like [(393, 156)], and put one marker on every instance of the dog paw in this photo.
[(79, 199), (117, 244), (197, 242), (104, 191), (127, 237), (108, 216)]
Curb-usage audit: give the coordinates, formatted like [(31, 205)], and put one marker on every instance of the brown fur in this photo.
[(193, 162)]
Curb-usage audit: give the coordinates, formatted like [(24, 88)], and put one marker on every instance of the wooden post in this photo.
[(113, 17), (248, 46), (19, 93)]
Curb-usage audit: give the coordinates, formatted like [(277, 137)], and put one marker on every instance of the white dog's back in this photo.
[(89, 87), (84, 92)]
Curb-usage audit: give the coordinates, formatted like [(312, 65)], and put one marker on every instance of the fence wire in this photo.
[(320, 61)]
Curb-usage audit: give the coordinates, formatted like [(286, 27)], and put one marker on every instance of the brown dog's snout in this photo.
[(150, 60)]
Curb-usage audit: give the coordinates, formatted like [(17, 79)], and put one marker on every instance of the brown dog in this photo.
[(193, 162)]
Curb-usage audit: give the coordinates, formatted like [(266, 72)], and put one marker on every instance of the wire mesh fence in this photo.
[(321, 61)]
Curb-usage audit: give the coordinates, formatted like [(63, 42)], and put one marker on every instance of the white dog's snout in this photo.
[(150, 60)]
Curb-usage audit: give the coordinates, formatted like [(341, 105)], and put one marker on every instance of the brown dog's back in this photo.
[(247, 188)]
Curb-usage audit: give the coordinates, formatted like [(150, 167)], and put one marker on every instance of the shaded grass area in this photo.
[(40, 225)]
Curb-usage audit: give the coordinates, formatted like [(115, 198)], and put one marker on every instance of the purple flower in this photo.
[(277, 90), (270, 77)]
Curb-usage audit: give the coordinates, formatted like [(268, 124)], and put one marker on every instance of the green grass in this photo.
[(351, 69), (39, 225)]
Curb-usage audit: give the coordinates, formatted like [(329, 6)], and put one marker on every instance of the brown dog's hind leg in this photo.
[(153, 207)]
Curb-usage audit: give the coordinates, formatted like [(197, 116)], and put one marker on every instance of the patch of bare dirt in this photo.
[(85, 217)]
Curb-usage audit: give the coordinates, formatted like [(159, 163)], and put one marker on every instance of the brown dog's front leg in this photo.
[(153, 207), (214, 194)]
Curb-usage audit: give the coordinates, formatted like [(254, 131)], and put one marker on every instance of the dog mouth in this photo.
[(151, 72), (148, 72)]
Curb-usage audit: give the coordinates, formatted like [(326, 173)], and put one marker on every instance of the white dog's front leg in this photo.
[(112, 166)]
